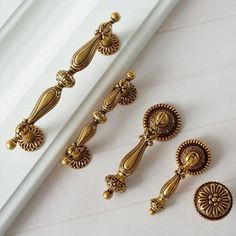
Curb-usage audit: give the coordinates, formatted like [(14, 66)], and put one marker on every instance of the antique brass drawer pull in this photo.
[(161, 122), (77, 154), (193, 157), (30, 137)]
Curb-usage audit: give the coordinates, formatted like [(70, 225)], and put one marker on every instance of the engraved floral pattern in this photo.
[(112, 48), (213, 200), (130, 97), (115, 184), (79, 156), (35, 134)]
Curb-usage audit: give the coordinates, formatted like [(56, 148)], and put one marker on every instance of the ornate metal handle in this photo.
[(193, 157), (77, 155), (161, 122), (30, 137)]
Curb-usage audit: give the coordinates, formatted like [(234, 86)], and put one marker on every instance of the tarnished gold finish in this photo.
[(110, 42), (213, 200), (77, 154), (193, 157), (161, 122), (30, 137)]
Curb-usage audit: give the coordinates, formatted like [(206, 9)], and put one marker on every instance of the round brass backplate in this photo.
[(33, 140), (78, 156), (213, 200), (194, 146), (130, 97), (164, 120), (112, 48)]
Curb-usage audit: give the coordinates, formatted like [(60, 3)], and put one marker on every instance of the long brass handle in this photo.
[(77, 154), (161, 122), (30, 137), (193, 157)]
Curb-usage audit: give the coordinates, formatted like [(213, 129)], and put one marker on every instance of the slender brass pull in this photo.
[(77, 154), (161, 122), (193, 157), (29, 136)]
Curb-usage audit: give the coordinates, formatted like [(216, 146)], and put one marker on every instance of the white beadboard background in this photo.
[(190, 63)]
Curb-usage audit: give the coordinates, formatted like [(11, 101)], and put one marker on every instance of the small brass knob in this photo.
[(108, 194), (115, 16), (11, 144), (130, 75)]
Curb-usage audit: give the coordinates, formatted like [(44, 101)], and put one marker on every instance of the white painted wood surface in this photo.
[(190, 63), (8, 7)]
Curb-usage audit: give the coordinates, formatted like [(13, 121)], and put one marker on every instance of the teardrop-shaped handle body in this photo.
[(129, 163), (82, 58), (45, 103)]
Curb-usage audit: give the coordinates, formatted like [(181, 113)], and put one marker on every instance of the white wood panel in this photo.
[(190, 63), (195, 13), (8, 7)]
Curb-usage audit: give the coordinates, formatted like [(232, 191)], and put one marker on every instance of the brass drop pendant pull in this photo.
[(161, 122), (77, 154), (193, 157), (30, 137)]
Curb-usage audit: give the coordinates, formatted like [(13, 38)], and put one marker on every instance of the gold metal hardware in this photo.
[(193, 157), (161, 122), (77, 154), (213, 200), (27, 135)]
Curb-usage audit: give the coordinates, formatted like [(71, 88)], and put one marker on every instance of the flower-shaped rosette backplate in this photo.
[(213, 200)]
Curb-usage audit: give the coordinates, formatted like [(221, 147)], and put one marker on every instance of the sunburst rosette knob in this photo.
[(76, 157), (128, 90), (110, 42), (213, 200), (28, 136)]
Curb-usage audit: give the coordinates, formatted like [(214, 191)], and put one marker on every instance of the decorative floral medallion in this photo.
[(35, 143), (78, 156), (112, 48), (213, 200), (28, 136), (128, 99)]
